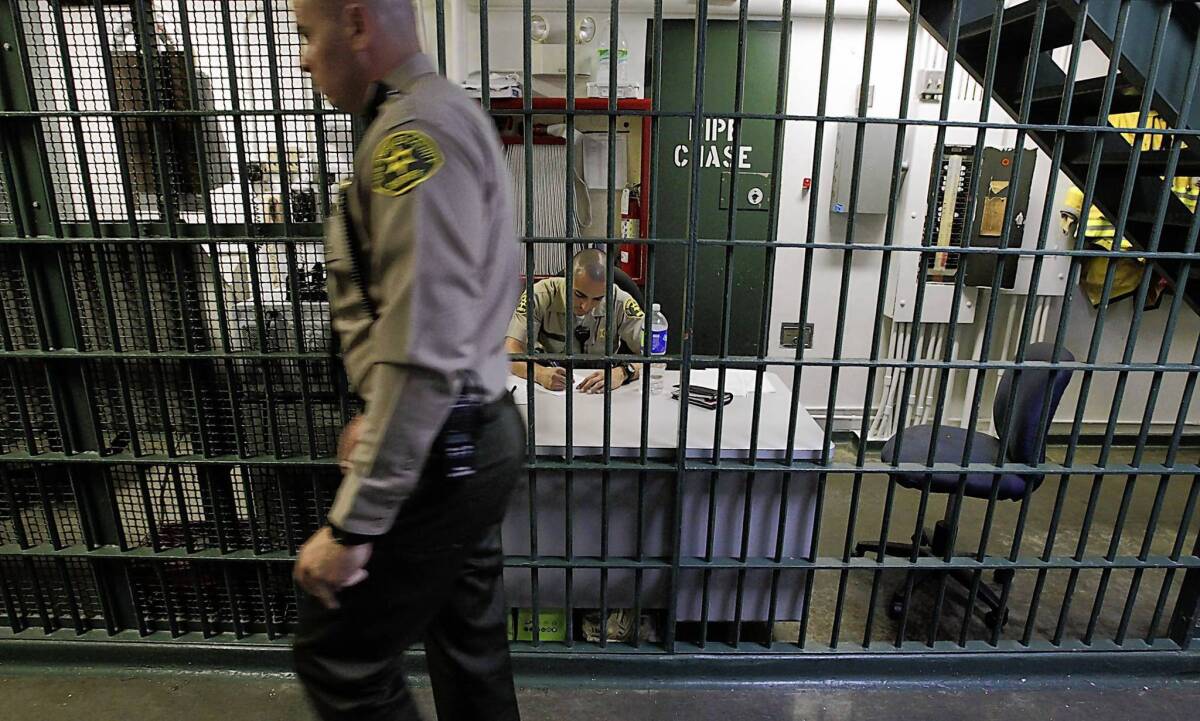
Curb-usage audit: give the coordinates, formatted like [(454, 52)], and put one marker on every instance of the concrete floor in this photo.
[(122, 695), (1111, 491), (114, 696)]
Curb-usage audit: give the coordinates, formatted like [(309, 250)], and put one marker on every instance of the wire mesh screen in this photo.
[(208, 599), (31, 422), (6, 214), (38, 507), (255, 508), (18, 320), (931, 336), (49, 594)]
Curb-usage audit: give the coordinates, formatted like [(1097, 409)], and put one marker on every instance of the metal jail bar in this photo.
[(170, 405)]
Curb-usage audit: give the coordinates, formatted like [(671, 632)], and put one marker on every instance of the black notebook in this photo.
[(703, 397)]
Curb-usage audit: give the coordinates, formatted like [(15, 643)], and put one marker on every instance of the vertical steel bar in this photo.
[(527, 145), (651, 268), (919, 301), (1044, 420), (727, 310), (802, 320), (843, 301), (441, 36), (35, 584), (1028, 83), (265, 598), (48, 514), (1073, 274), (235, 616), (1187, 606), (169, 598), (877, 324), (1169, 576), (569, 225), (1110, 274), (485, 61), (944, 376), (181, 506), (688, 324), (1160, 496), (19, 532), (11, 599)]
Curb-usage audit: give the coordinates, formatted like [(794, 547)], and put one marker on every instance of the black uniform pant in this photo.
[(435, 577)]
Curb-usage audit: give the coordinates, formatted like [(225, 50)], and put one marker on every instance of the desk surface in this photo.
[(550, 416)]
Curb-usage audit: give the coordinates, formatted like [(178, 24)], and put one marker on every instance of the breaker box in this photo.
[(874, 187)]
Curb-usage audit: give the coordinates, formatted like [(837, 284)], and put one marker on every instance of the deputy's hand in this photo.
[(554, 379), (325, 567), (595, 382), (349, 439)]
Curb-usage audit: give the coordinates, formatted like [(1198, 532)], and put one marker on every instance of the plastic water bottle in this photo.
[(658, 348), (604, 60)]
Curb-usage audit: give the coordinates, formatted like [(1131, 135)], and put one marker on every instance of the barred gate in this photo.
[(170, 406)]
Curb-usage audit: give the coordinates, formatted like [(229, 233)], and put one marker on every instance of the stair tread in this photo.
[(1143, 209), (1115, 151), (1089, 88), (1017, 27)]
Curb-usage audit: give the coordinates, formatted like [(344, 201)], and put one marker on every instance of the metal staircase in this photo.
[(1157, 45)]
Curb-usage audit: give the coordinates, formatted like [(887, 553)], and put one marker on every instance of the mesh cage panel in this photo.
[(6, 206), (213, 598), (49, 594), (255, 508), (30, 422), (16, 301), (36, 504)]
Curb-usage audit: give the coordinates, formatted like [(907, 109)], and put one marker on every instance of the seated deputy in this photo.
[(583, 331)]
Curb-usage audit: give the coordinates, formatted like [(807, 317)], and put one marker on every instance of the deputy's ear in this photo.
[(357, 21)]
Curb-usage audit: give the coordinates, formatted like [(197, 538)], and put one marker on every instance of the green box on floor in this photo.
[(552, 625)]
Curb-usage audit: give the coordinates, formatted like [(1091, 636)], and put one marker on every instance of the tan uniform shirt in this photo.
[(552, 325), (431, 210)]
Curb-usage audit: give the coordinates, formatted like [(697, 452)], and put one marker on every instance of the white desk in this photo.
[(732, 495), (550, 416)]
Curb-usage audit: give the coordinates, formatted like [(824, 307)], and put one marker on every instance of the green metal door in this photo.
[(752, 159)]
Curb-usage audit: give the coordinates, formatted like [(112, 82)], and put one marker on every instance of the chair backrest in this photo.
[(1035, 388), (622, 280), (625, 283)]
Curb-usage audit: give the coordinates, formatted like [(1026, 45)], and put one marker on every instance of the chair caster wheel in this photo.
[(995, 620), (895, 609)]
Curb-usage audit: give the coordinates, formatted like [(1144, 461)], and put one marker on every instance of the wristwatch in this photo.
[(629, 372), (346, 538)]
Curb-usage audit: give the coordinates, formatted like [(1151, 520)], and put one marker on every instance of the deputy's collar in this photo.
[(403, 76), (399, 80)]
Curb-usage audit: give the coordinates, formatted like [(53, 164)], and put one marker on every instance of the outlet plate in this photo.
[(789, 333)]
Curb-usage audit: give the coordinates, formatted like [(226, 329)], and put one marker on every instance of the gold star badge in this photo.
[(404, 160)]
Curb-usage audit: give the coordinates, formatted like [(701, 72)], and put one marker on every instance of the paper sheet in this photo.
[(518, 386), (738, 381)]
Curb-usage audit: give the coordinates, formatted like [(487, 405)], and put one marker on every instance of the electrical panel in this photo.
[(874, 186), (995, 189), (950, 216)]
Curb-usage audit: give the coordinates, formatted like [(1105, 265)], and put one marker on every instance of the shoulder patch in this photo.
[(523, 304), (402, 161), (633, 310)]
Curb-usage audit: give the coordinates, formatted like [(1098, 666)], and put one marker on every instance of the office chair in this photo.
[(1036, 389), (625, 283)]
